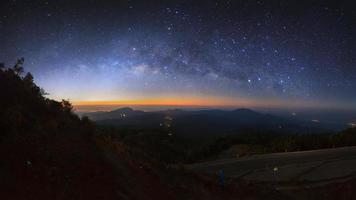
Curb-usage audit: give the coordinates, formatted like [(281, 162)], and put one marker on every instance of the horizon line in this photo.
[(206, 103)]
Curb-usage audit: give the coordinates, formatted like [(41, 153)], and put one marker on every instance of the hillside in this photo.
[(48, 152)]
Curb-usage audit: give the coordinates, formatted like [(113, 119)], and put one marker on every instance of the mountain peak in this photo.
[(244, 110), (124, 110)]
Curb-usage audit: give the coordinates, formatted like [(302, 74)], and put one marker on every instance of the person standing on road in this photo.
[(221, 176)]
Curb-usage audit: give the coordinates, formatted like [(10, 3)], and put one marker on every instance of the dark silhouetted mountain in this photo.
[(120, 113), (205, 122), (25, 109)]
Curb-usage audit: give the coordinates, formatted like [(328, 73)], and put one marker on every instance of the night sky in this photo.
[(279, 54)]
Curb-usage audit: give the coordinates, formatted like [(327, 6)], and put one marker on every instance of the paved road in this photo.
[(305, 166)]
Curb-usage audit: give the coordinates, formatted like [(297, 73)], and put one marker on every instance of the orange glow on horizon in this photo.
[(201, 102), (166, 102), (193, 101), (208, 102)]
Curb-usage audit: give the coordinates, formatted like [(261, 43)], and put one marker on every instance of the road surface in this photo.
[(312, 167)]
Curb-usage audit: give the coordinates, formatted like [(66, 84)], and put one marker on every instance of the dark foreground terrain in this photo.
[(75, 168), (48, 152)]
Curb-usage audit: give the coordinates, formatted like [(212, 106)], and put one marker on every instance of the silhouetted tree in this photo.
[(18, 66), (28, 78), (24, 109), (2, 66), (66, 106)]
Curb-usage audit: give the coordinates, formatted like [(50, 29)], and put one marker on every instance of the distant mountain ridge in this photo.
[(211, 122), (115, 114)]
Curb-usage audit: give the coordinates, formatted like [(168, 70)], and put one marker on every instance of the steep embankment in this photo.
[(55, 168)]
